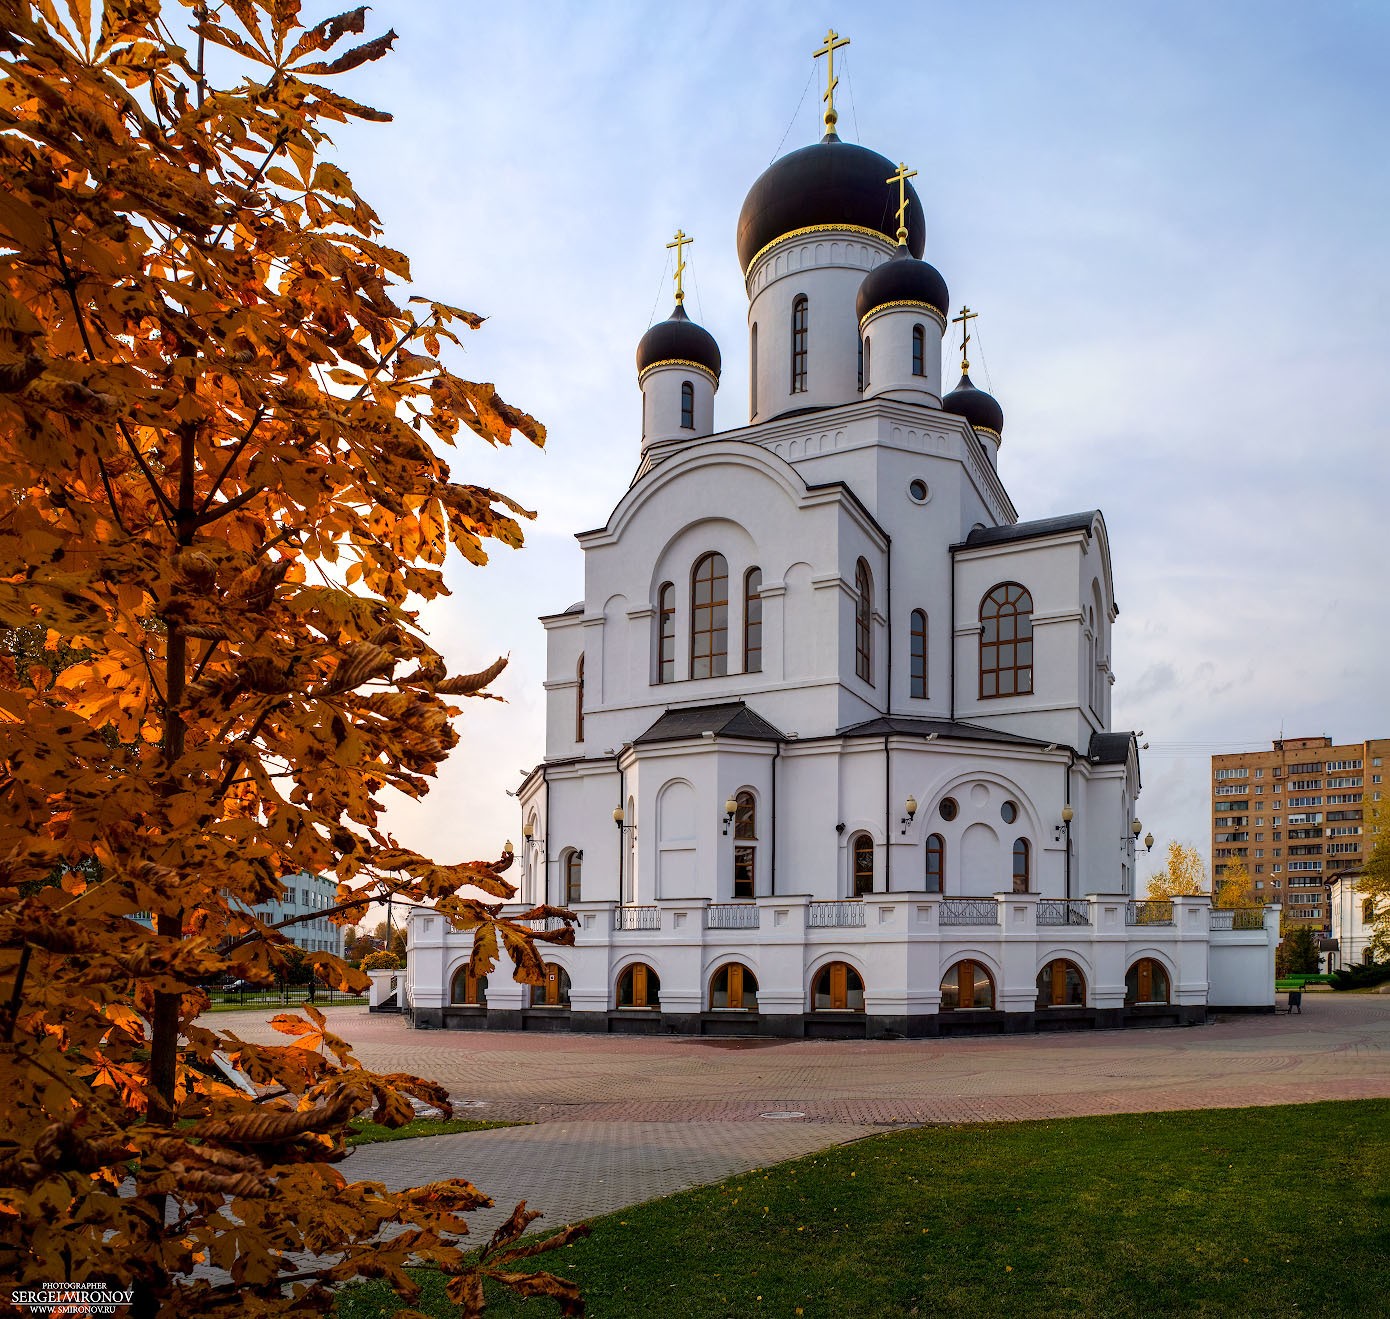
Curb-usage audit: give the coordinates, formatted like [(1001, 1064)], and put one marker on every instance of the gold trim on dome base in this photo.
[(903, 302), (857, 229), (684, 363), (984, 430)]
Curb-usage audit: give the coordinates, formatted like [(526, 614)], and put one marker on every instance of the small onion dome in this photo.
[(903, 279), (678, 339), (981, 410), (834, 184)]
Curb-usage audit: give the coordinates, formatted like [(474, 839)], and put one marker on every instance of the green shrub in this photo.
[(382, 962)]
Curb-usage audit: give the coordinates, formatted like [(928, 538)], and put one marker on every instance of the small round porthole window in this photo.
[(1009, 811), (949, 809), (917, 491)]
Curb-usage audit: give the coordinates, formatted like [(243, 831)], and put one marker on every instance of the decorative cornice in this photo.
[(684, 364), (903, 302), (805, 231)]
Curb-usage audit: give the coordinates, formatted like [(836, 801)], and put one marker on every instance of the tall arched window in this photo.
[(574, 863), (917, 669), (936, 864), (666, 633), (1146, 982), (800, 318), (863, 622), (838, 988), (868, 363), (966, 985), (745, 845), (1006, 642), (639, 987), (709, 617), (579, 701), (735, 987), (919, 351), (861, 363), (1023, 865), (687, 405), (863, 855), (753, 371), (1061, 985), (753, 621)]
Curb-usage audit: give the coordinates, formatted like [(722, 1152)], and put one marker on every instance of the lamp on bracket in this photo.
[(730, 810), (1059, 831), (910, 807)]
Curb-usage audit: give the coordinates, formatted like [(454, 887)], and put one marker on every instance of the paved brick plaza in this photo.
[(624, 1118)]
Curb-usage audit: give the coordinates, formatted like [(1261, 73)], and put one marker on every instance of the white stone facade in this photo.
[(904, 692)]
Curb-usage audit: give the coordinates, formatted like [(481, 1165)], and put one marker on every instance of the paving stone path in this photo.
[(620, 1119)]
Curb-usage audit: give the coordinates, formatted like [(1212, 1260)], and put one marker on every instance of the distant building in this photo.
[(1352, 914), (1295, 816)]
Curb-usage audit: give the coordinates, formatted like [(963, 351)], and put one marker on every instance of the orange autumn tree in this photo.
[(221, 488)]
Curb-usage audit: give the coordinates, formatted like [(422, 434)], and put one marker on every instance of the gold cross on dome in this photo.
[(833, 42), (901, 178), (963, 320), (679, 243)]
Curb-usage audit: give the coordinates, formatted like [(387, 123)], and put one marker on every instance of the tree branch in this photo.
[(365, 900), (231, 458), (231, 506)]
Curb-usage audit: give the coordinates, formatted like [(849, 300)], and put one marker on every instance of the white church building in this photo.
[(828, 744)]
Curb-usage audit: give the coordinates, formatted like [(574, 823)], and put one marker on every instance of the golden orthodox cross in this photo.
[(679, 243), (833, 42), (964, 319), (901, 178)]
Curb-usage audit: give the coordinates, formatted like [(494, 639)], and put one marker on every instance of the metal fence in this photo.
[(276, 996), (1238, 918), (636, 918), (542, 923), (1064, 911), (969, 911), (831, 915), (731, 916), (1149, 913)]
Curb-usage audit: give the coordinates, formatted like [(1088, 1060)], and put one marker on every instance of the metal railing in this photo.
[(731, 916), (544, 923), (830, 915), (969, 911), (1149, 913), (636, 918), (1238, 918), (1064, 911)]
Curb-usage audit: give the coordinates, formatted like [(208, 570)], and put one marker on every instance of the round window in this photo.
[(949, 809), (918, 492), (1009, 812)]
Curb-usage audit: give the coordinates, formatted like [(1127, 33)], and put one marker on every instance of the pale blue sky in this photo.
[(1171, 217)]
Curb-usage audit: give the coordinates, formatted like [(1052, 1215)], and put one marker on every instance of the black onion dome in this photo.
[(978, 408), (832, 183), (902, 279), (678, 339)]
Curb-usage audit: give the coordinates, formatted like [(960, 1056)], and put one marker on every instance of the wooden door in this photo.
[(1059, 983), (735, 986), (552, 986), (967, 985), (839, 999), (639, 986), (1146, 981)]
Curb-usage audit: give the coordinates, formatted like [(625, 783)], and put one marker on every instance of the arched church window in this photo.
[(1061, 985), (666, 633), (753, 371), (863, 854), (687, 405), (709, 617), (863, 622), (574, 864), (468, 990), (1146, 982), (639, 987), (966, 985), (579, 701), (838, 988), (919, 351), (745, 845), (917, 668), (861, 363), (1023, 865), (800, 318), (1006, 642), (936, 864), (868, 362), (555, 993), (753, 621)]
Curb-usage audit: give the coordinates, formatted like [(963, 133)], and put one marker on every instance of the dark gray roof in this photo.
[(728, 719), (1109, 748), (1029, 530), (885, 725)]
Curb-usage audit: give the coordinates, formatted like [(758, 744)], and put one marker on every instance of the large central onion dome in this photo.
[(678, 339), (831, 183)]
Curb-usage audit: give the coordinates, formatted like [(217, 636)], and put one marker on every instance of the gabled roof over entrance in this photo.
[(728, 719)]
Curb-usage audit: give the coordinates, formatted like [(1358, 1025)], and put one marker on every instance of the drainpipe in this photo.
[(622, 796), (951, 640), (545, 840), (772, 867), (1066, 797), (887, 712)]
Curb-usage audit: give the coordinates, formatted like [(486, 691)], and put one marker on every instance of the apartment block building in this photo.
[(1295, 815)]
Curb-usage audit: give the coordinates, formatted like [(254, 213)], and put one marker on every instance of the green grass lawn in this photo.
[(370, 1133), (1257, 1211)]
